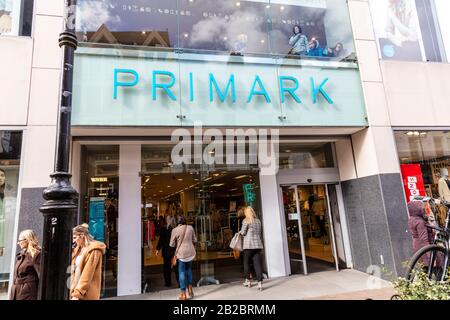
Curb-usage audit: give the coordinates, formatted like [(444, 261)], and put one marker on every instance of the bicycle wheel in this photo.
[(432, 260)]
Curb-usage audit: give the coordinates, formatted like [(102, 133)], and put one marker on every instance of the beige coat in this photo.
[(444, 192), (187, 248), (86, 280)]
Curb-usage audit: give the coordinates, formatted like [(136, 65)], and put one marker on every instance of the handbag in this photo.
[(236, 243), (173, 262)]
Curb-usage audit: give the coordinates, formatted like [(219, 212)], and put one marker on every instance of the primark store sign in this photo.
[(136, 91)]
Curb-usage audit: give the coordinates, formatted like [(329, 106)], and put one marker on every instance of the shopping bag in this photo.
[(236, 242)]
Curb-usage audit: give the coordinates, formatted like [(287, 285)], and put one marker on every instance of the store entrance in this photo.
[(211, 202), (311, 222)]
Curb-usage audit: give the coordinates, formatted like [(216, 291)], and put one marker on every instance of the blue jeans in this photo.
[(185, 274)]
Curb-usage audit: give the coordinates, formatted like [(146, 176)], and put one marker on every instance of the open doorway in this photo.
[(211, 202), (311, 228)]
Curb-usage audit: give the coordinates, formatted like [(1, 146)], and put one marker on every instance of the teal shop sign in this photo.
[(249, 193), (257, 88), (151, 91)]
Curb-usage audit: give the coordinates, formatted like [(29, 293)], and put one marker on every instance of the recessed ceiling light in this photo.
[(282, 8), (238, 4), (180, 179), (268, 6)]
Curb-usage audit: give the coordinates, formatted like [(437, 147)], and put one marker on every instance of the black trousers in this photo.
[(253, 255), (168, 271)]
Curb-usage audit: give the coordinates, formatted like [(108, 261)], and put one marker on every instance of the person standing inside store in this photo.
[(183, 239), (444, 190), (252, 232), (165, 249), (86, 267), (27, 267)]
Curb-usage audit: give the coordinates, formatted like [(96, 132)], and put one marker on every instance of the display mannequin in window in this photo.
[(6, 7), (444, 190)]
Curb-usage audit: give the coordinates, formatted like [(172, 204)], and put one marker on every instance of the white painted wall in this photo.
[(15, 79), (417, 93), (129, 227), (275, 240), (345, 160)]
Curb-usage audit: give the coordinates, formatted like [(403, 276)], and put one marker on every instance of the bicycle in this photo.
[(434, 258)]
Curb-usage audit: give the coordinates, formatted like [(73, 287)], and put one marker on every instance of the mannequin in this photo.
[(444, 191), (5, 16)]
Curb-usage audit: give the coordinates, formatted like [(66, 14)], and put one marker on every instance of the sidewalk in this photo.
[(330, 285)]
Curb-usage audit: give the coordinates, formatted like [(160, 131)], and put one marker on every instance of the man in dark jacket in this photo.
[(166, 250)]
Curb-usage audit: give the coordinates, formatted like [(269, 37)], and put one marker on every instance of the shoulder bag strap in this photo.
[(182, 239)]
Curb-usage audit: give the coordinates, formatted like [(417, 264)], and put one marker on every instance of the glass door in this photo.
[(311, 215), (294, 229)]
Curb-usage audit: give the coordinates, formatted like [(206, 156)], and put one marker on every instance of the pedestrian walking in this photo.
[(27, 267), (183, 239), (251, 230), (86, 267)]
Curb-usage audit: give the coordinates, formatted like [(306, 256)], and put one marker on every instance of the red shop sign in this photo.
[(412, 181)]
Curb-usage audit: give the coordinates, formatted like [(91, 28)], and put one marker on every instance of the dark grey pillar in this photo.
[(377, 221)]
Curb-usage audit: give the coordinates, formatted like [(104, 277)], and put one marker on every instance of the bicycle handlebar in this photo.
[(437, 229), (437, 201)]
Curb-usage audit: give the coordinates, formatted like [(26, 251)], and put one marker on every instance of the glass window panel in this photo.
[(100, 205), (234, 26), (406, 30), (430, 150), (16, 17), (324, 24), (306, 155), (10, 149), (128, 22)]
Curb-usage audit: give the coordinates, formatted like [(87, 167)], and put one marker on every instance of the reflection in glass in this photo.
[(227, 27), (430, 150), (306, 155), (100, 206), (137, 22), (10, 149), (16, 17)]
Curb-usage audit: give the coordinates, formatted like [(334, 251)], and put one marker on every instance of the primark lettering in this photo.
[(164, 82)]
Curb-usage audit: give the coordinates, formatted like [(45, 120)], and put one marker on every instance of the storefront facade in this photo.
[(148, 76), (135, 108)]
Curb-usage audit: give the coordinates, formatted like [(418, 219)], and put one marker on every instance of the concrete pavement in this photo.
[(329, 285)]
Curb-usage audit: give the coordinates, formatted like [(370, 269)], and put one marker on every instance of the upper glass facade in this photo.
[(311, 29)]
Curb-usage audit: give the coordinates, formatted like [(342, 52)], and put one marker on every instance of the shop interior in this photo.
[(212, 202)]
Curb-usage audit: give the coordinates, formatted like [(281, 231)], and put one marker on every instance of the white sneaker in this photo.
[(247, 283)]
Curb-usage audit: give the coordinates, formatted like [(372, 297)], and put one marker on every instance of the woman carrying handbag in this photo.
[(183, 238)]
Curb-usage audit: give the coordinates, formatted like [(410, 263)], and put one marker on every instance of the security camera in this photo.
[(309, 180)]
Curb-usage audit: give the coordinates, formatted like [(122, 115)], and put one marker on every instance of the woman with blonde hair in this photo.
[(27, 267), (86, 267), (251, 230)]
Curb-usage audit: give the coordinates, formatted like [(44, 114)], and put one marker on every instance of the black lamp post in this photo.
[(60, 206)]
